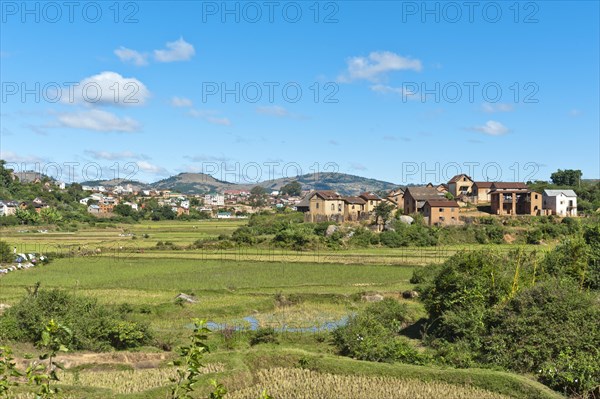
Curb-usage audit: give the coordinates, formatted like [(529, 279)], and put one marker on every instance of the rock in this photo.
[(406, 219), (372, 298), (332, 228), (410, 294), (186, 298), (3, 307), (389, 226)]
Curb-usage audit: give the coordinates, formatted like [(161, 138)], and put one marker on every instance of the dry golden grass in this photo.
[(129, 381), (283, 383)]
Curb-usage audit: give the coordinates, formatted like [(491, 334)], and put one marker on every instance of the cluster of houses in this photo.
[(441, 204), (8, 208)]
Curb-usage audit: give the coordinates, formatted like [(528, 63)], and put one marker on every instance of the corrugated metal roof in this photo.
[(555, 193)]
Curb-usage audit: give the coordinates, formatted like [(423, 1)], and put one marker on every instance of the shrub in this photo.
[(373, 335), (551, 327), (94, 326), (264, 335)]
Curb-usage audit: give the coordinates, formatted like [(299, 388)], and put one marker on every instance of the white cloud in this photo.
[(491, 128), (273, 110), (179, 50), (148, 167), (181, 102), (374, 67), (491, 108), (110, 156), (108, 88), (13, 157), (97, 120), (131, 56)]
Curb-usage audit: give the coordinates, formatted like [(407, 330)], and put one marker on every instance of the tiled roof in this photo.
[(423, 193), (355, 200), (442, 203), (327, 194), (498, 185), (458, 178), (369, 196), (483, 184)]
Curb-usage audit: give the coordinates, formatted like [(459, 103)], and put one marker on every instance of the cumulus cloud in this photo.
[(131, 56), (179, 50), (376, 65), (97, 120), (107, 88), (148, 167), (181, 102), (491, 128)]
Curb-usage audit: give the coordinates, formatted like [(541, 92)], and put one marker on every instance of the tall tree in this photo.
[(567, 177)]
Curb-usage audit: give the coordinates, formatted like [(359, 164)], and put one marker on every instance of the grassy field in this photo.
[(271, 287)]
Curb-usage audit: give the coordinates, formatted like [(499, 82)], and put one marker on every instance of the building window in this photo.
[(451, 209), (441, 209), (339, 207), (332, 207), (352, 206), (317, 205)]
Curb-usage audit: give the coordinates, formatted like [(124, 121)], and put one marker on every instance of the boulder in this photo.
[(406, 219), (186, 298), (332, 228), (410, 294), (372, 298)]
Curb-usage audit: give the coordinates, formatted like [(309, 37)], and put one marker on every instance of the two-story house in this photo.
[(560, 202)]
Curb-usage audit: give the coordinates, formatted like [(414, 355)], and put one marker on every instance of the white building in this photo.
[(214, 200), (560, 202)]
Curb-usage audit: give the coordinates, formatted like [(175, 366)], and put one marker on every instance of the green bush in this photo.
[(551, 329), (373, 335), (95, 327), (264, 335)]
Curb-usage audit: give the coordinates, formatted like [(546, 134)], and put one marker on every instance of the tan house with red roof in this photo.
[(415, 197), (325, 205), (372, 200), (514, 198), (441, 212), (354, 209), (460, 185), (481, 191)]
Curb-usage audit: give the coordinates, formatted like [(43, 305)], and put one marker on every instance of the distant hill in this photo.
[(116, 182), (199, 183)]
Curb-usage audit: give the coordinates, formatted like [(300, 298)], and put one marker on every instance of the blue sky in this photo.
[(407, 92)]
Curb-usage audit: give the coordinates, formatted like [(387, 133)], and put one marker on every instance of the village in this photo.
[(441, 204)]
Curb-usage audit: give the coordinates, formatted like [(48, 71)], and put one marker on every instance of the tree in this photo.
[(383, 211), (124, 210), (257, 197), (293, 189), (567, 177), (5, 252)]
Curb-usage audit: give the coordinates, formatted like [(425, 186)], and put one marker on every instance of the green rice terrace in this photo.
[(294, 314)]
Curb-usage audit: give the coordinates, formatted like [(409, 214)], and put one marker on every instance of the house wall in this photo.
[(559, 205), (433, 214), (371, 204), (410, 205), (353, 212), (319, 206)]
